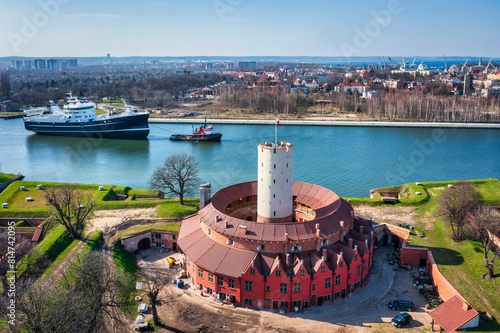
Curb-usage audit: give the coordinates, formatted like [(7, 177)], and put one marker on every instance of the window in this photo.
[(230, 283), (157, 235), (364, 265), (220, 281), (275, 166), (247, 301), (173, 237), (337, 295), (268, 288), (229, 242), (349, 276), (283, 288), (248, 286), (200, 273), (327, 298), (297, 287), (341, 264), (252, 271), (274, 181), (209, 291), (358, 270), (313, 287), (328, 282), (337, 280), (267, 303), (301, 272), (210, 278), (278, 273), (355, 257), (322, 269)]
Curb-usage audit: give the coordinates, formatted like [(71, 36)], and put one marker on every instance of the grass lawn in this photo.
[(119, 105), (52, 245), (175, 209), (461, 263), (99, 112), (167, 227), (5, 176)]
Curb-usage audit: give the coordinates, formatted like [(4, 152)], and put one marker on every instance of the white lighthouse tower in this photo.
[(275, 182)]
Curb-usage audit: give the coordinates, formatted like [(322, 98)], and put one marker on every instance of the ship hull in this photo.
[(134, 127), (216, 137)]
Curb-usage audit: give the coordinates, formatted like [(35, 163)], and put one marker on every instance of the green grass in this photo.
[(124, 259), (175, 209), (99, 112), (461, 263), (166, 227), (119, 105), (6, 176), (51, 246)]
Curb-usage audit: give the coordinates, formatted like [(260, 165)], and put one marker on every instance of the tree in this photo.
[(152, 288), (484, 223), (456, 204), (19, 251), (71, 207), (178, 175)]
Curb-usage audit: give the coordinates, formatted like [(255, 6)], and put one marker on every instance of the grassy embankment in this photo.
[(461, 263), (6, 176)]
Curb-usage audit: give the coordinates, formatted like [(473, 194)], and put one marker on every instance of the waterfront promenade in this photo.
[(350, 123)]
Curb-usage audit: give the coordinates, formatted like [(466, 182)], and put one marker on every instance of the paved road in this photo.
[(353, 123)]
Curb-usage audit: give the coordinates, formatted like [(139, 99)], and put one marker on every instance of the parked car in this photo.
[(401, 319), (401, 304)]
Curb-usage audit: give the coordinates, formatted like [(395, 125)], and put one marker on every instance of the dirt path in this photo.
[(387, 214), (105, 219)]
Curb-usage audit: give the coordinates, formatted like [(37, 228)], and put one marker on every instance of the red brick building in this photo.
[(320, 254)]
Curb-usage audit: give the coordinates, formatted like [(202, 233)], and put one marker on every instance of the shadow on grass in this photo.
[(486, 325), (444, 256)]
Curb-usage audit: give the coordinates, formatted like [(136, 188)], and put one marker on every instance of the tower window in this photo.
[(274, 213), (274, 181), (274, 195), (287, 180), (287, 165), (275, 166)]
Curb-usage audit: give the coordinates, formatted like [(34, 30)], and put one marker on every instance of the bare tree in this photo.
[(153, 285), (456, 204), (484, 223), (178, 175), (9, 255), (71, 207)]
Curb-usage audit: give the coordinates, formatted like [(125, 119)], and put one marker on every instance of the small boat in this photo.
[(203, 133)]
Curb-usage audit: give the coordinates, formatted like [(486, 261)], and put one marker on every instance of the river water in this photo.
[(347, 160)]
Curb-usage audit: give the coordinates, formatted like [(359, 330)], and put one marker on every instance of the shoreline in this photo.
[(348, 123)]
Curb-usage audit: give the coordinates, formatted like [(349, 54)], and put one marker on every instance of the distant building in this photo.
[(9, 106), (41, 63), (52, 64), (468, 84), (247, 66), (490, 92)]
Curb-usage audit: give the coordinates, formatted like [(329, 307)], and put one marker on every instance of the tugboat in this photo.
[(78, 119), (203, 133)]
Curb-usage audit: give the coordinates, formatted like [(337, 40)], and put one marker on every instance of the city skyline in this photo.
[(64, 28)]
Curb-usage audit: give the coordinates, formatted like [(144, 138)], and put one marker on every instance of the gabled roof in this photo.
[(453, 314)]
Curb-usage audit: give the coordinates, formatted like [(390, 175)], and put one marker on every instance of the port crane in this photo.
[(488, 66), (465, 66)]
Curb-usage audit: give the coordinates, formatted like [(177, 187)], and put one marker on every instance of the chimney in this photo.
[(466, 306), (349, 201), (366, 242), (242, 229), (253, 262), (205, 194), (361, 228), (342, 224), (226, 224), (302, 262), (286, 236), (288, 259), (324, 254), (355, 247), (341, 236), (350, 242), (352, 213), (216, 218), (318, 233)]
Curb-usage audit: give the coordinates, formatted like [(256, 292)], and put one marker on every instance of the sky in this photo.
[(75, 28)]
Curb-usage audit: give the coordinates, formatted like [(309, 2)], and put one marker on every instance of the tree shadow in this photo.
[(444, 256)]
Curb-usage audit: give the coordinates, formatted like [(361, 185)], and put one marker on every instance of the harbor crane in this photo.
[(465, 66), (488, 66), (413, 63)]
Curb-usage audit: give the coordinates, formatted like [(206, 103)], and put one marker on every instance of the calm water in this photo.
[(348, 160)]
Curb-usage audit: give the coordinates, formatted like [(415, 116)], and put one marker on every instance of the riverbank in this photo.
[(348, 123)]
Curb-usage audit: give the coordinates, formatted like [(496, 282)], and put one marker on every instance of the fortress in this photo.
[(276, 243)]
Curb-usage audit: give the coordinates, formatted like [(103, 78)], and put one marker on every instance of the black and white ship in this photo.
[(78, 119)]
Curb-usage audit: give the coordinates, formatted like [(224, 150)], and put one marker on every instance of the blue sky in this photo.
[(249, 27)]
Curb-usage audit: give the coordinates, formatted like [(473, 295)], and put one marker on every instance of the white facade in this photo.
[(275, 181)]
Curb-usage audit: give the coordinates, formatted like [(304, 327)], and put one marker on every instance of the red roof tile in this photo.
[(451, 315)]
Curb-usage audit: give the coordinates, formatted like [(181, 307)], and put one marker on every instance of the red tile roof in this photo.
[(451, 315)]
